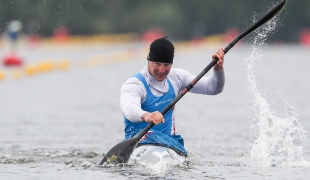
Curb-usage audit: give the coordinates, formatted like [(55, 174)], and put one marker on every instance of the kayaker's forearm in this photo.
[(133, 113), (210, 85), (218, 81)]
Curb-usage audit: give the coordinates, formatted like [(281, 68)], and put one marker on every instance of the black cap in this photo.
[(161, 50)]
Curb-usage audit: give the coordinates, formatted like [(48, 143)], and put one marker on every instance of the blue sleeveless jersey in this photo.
[(162, 134)]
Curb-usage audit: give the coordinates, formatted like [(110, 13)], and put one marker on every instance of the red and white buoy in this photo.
[(13, 31), (12, 59)]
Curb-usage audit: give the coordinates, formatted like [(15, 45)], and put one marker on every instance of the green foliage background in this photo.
[(179, 19)]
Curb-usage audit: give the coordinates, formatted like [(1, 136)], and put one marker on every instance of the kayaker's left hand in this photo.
[(220, 55)]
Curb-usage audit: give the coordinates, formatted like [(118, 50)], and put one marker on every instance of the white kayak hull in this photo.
[(157, 158)]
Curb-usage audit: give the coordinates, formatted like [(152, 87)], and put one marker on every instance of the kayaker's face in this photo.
[(159, 70)]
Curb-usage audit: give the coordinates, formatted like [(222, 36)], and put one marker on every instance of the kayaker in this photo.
[(147, 93)]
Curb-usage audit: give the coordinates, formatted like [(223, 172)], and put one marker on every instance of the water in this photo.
[(279, 138), (56, 124)]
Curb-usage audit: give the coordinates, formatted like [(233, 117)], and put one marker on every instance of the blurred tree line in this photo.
[(179, 19)]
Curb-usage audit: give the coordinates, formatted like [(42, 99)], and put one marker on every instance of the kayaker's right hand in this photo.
[(155, 117)]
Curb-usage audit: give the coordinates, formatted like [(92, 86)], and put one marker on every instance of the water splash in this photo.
[(279, 139)]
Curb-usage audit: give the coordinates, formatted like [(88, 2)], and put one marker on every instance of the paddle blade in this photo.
[(121, 152), (268, 16), (272, 13)]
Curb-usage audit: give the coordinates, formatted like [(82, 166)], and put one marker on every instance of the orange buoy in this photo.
[(2, 75)]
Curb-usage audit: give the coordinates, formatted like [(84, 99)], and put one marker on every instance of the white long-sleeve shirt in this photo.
[(133, 92)]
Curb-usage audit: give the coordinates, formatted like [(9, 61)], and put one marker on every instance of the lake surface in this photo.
[(60, 113)]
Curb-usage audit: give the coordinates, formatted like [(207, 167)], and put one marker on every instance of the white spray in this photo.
[(276, 140)]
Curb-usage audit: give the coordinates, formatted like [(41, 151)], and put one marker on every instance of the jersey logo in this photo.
[(162, 102)]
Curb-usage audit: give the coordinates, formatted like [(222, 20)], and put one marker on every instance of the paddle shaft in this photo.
[(269, 15)]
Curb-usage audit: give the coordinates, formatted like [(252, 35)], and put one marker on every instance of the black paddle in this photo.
[(121, 152)]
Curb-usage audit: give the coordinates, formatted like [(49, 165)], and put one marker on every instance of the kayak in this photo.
[(157, 158)]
